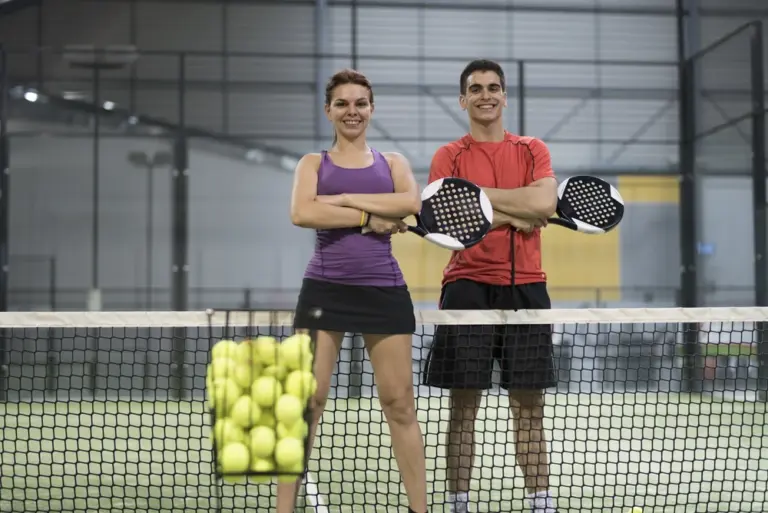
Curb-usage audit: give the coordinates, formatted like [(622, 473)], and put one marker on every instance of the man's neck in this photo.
[(487, 133)]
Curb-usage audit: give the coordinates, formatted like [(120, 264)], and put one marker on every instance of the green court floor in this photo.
[(664, 452)]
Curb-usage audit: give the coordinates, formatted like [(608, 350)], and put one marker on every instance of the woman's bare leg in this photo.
[(392, 366), (326, 354)]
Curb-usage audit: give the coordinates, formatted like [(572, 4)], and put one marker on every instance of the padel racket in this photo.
[(588, 205), (455, 214)]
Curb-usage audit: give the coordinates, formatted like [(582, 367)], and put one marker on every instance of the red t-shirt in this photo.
[(514, 162)]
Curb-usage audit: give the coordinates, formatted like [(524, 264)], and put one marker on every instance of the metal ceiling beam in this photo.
[(410, 90)]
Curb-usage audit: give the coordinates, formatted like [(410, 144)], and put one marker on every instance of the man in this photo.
[(503, 272)]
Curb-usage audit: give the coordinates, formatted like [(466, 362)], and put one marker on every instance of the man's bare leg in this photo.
[(527, 408), (460, 442)]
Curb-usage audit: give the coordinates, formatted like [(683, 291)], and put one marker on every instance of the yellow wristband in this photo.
[(362, 218)]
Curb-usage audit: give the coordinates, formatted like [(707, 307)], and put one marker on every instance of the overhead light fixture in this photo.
[(288, 163), (73, 95), (254, 156)]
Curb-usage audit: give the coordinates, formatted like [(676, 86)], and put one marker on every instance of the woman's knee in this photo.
[(399, 405)]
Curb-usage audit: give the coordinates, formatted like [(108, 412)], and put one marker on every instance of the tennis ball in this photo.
[(636, 510), (301, 384), (267, 419), (245, 413), (222, 395), (234, 458), (266, 390), (222, 368), (224, 349), (277, 371), (297, 430), (265, 350), (296, 352), (246, 373), (262, 465), (245, 351), (288, 409), (226, 431), (262, 441), (289, 452)]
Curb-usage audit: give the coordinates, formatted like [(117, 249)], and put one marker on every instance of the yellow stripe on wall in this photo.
[(422, 264), (649, 189), (581, 267)]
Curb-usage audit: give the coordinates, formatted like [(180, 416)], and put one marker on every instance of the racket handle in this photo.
[(417, 230), (566, 223), (581, 228)]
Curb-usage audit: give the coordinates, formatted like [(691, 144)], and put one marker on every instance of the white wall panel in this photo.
[(387, 32), (191, 26), (271, 69), (270, 28), (636, 37), (553, 36), (462, 33), (585, 4), (339, 35), (278, 113), (446, 34), (240, 229), (85, 22)]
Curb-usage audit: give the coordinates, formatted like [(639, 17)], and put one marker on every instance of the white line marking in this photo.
[(313, 495)]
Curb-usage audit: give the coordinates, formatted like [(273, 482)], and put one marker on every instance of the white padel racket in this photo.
[(588, 204), (455, 214)]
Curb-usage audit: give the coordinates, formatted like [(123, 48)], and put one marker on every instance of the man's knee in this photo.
[(465, 404), (526, 403)]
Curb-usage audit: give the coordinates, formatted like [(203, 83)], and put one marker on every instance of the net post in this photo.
[(759, 178), (688, 220), (179, 249), (4, 222)]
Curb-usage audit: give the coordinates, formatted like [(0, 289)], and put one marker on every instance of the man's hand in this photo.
[(518, 223)]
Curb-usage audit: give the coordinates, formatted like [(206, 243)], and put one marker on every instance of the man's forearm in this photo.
[(524, 202), (500, 219)]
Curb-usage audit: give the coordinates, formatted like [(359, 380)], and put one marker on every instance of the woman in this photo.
[(355, 197)]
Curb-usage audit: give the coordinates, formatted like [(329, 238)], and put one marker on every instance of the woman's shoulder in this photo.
[(312, 160)]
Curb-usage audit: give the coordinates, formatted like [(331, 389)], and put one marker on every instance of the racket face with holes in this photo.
[(455, 214), (589, 205)]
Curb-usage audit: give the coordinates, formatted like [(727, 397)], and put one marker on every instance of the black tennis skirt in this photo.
[(358, 309)]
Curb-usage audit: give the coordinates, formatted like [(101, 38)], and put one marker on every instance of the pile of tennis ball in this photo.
[(259, 389)]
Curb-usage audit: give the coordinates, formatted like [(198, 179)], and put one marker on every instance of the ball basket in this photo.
[(259, 384)]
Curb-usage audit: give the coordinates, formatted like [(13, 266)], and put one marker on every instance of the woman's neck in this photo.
[(358, 145)]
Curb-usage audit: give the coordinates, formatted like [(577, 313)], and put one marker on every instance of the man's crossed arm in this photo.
[(535, 201)]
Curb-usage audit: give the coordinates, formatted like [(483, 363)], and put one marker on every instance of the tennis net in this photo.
[(106, 411)]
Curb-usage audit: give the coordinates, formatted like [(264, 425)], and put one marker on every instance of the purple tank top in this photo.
[(344, 255)]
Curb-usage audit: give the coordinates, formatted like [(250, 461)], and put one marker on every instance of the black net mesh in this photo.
[(116, 419)]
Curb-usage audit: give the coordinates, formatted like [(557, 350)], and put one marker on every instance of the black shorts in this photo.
[(357, 309), (462, 357)]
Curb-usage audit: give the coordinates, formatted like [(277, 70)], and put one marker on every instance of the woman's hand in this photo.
[(378, 224)]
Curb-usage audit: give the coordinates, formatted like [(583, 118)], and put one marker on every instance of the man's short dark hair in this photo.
[(481, 65)]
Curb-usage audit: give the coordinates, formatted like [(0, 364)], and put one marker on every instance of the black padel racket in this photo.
[(455, 214), (588, 205)]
